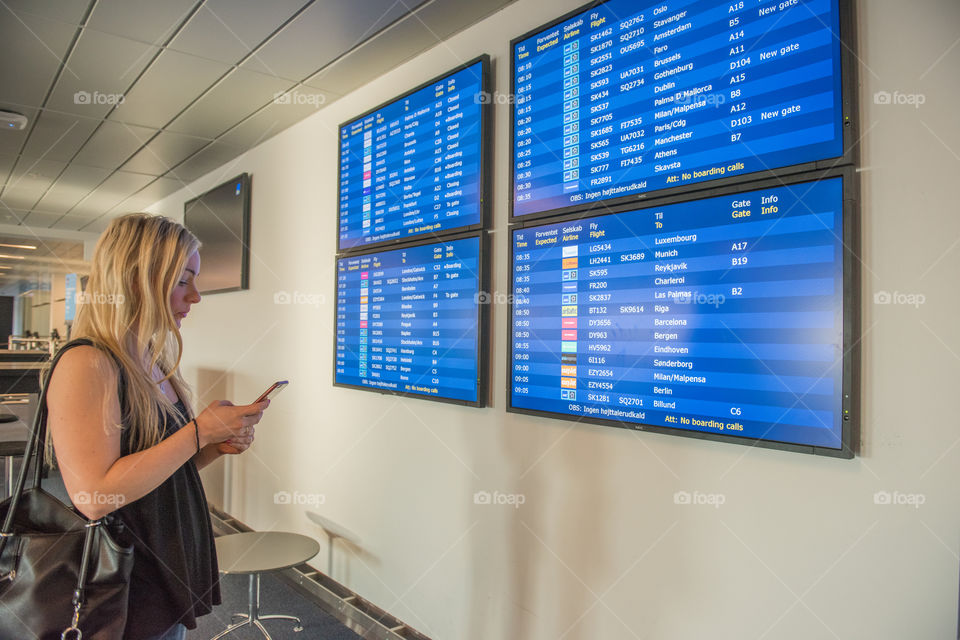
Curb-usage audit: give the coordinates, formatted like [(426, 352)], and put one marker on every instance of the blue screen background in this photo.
[(721, 315), (628, 98), (407, 320)]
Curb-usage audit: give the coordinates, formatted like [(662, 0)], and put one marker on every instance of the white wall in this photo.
[(798, 550)]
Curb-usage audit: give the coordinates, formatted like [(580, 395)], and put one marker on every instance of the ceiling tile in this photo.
[(160, 189), (36, 42), (69, 223), (171, 83), (12, 140), (402, 41), (75, 183), (227, 30), (31, 176), (7, 160), (236, 97), (115, 189), (37, 219), (268, 122), (144, 20), (100, 69), (213, 157), (322, 33), (71, 11), (112, 144), (165, 151), (58, 136)]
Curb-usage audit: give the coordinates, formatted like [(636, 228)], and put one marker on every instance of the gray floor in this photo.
[(275, 597)]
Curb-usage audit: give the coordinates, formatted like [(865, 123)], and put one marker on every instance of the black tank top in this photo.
[(175, 575)]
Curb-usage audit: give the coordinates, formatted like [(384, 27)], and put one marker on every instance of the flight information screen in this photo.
[(414, 166), (408, 320), (722, 315), (627, 98)]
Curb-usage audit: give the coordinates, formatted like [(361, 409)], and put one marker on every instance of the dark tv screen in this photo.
[(220, 218)]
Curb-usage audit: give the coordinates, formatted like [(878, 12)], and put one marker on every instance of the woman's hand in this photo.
[(229, 426)]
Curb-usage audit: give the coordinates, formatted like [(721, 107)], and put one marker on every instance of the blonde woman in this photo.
[(123, 432)]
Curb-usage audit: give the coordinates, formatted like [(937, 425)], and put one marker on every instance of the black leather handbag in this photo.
[(62, 576)]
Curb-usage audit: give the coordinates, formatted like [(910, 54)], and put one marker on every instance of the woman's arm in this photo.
[(84, 423), (207, 455)]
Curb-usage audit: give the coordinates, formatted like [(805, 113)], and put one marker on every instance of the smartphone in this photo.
[(274, 389)]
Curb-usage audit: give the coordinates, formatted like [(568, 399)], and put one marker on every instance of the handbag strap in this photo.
[(34, 446)]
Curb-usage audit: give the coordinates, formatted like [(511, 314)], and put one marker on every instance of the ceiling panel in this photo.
[(227, 30), (12, 140), (144, 20), (58, 136), (402, 41), (28, 181), (39, 219), (153, 192), (323, 32), (237, 96), (7, 160), (75, 182), (71, 222), (112, 144), (165, 151), (40, 43), (207, 160), (288, 110), (115, 189), (172, 82), (71, 11), (101, 68)]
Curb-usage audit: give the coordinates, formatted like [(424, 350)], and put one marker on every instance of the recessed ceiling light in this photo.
[(17, 246)]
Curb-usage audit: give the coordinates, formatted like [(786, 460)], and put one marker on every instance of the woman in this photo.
[(120, 422)]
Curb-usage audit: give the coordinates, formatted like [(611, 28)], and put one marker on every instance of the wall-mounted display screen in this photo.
[(625, 98), (415, 166), (220, 219), (411, 321), (729, 317)]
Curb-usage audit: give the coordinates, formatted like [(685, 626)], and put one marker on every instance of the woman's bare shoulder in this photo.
[(84, 365)]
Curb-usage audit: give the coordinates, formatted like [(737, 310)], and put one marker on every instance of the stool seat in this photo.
[(255, 552)]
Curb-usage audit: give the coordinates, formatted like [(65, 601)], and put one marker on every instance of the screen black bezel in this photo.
[(486, 134), (850, 376), (246, 180), (850, 127), (483, 320)]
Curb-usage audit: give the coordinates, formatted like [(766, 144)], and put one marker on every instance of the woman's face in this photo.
[(185, 291)]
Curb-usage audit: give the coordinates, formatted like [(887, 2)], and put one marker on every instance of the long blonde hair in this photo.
[(125, 311)]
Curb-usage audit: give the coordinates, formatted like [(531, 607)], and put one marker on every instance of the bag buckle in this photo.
[(73, 625), (10, 575)]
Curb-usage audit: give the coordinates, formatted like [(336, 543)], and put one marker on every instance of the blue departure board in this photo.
[(415, 165), (408, 320), (720, 316), (631, 97)]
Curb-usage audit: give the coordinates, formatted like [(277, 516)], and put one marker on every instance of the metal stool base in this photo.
[(254, 617)]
